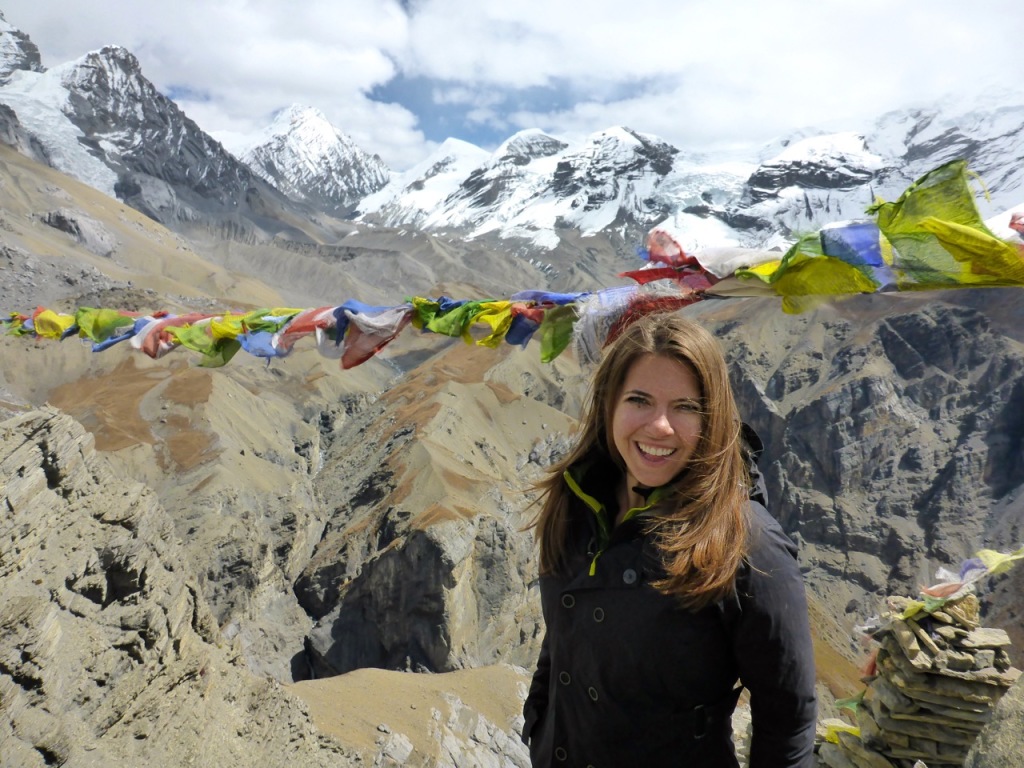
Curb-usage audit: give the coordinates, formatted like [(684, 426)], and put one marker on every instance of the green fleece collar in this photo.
[(572, 477)]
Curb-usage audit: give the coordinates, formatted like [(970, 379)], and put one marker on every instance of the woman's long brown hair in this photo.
[(701, 530)]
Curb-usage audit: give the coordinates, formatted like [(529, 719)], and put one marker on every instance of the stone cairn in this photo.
[(932, 685)]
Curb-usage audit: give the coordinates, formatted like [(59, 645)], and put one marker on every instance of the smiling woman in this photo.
[(656, 424), (665, 584)]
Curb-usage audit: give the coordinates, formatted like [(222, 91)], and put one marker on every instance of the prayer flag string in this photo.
[(932, 237)]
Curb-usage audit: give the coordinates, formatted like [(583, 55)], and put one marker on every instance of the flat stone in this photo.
[(834, 756), (887, 693), (923, 638), (929, 731), (965, 612), (986, 637), (934, 718), (907, 640), (863, 757), (910, 682), (955, 660), (980, 677), (963, 712), (870, 733), (950, 633)]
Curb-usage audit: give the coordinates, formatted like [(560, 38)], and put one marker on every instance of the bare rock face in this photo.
[(13, 134), (87, 231), (893, 431), (425, 563), (109, 654), (1001, 744)]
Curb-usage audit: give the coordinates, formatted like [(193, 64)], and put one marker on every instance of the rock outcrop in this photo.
[(88, 232), (109, 654), (1001, 744)]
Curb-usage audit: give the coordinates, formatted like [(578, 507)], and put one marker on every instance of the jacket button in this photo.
[(599, 614), (629, 576), (568, 601), (564, 678), (560, 754), (593, 692)]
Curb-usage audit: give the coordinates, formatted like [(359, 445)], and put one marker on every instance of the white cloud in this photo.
[(690, 71)]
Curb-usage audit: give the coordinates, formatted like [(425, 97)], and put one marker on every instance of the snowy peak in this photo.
[(308, 159), (17, 51), (420, 192), (137, 129), (108, 97), (99, 119), (533, 185), (528, 145), (610, 164), (835, 161)]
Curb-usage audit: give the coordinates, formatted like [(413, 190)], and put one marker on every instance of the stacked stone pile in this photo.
[(937, 677)]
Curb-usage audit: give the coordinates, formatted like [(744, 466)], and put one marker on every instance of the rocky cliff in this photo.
[(893, 429), (109, 653)]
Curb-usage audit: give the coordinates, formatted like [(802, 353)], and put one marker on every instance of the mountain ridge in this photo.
[(533, 189)]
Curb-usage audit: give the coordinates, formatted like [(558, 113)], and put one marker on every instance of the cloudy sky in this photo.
[(400, 76)]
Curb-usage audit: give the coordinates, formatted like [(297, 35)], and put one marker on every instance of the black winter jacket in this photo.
[(626, 677)]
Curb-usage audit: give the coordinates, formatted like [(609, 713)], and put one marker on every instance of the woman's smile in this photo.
[(652, 450)]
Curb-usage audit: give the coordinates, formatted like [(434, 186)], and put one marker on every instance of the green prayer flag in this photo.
[(556, 331)]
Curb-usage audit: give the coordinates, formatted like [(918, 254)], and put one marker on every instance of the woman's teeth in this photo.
[(652, 450)]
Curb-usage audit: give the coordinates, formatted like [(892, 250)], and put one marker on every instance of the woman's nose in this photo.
[(660, 424)]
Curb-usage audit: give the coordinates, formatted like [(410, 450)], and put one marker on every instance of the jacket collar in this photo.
[(592, 482)]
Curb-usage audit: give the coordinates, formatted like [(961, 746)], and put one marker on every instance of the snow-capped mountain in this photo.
[(411, 197), (100, 120), (17, 51), (620, 182), (530, 187), (308, 159)]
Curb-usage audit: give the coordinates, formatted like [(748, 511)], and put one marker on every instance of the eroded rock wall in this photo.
[(109, 654), (893, 430)]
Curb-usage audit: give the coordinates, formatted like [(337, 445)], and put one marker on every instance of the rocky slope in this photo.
[(892, 431), (109, 653)]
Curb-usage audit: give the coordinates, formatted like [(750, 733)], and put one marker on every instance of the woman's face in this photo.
[(656, 423)]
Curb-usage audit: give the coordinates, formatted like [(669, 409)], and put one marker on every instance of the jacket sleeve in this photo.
[(537, 699), (773, 650)]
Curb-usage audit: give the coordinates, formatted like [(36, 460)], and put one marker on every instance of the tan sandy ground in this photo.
[(359, 707)]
